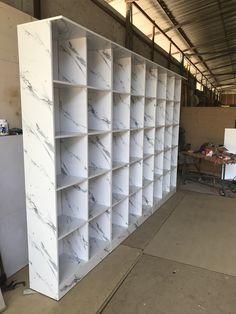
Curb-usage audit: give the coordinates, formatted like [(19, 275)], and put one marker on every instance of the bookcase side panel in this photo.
[(39, 155)]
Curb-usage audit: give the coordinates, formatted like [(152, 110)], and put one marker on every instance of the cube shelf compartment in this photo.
[(121, 111), (101, 146)]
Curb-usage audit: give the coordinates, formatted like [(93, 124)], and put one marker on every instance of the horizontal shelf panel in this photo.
[(120, 130), (167, 148), (134, 159), (174, 146), (150, 97), (68, 134), (156, 201), (117, 198), (67, 225), (145, 156), (157, 177), (63, 84), (96, 246), (133, 189), (149, 127), (120, 92), (97, 132), (96, 210), (137, 95), (68, 266), (99, 88), (118, 164), (64, 181), (95, 172), (118, 231), (147, 209), (158, 151), (160, 126), (166, 171), (133, 219), (136, 129), (168, 125), (146, 182)]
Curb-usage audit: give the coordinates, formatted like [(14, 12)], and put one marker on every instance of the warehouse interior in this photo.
[(179, 255)]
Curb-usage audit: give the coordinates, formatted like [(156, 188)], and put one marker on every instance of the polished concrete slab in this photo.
[(86, 297), (200, 232), (190, 228), (143, 235), (159, 286)]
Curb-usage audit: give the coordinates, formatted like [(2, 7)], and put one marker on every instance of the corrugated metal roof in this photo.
[(209, 25)]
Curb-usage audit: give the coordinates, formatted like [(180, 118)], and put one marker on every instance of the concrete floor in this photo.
[(182, 260)]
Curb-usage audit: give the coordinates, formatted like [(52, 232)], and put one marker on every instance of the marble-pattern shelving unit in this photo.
[(100, 147)]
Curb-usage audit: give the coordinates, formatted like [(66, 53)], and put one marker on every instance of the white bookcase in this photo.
[(100, 147)]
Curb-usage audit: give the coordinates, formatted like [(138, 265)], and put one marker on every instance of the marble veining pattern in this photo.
[(122, 68), (72, 61), (71, 228), (99, 68)]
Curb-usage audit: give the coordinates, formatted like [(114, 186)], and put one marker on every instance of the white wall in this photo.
[(13, 240), (9, 74)]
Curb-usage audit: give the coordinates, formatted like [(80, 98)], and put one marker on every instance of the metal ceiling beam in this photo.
[(225, 32), (183, 34), (231, 51), (221, 67), (221, 74), (170, 40)]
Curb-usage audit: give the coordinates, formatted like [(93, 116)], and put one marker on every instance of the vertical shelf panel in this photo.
[(122, 70), (70, 110), (169, 112), (158, 164), (161, 84), (175, 135), (173, 178), (120, 149), (135, 177), (148, 170), (168, 137), (99, 195), (167, 161), (120, 185), (72, 208), (137, 112), (120, 220), (135, 207), (150, 112), (136, 145), (149, 142), (147, 199), (71, 157), (151, 80), (177, 92), (99, 110), (121, 112), (99, 154), (157, 191), (70, 60), (138, 71), (73, 252), (160, 113), (99, 63), (170, 87), (176, 113), (159, 139), (174, 157), (99, 234), (166, 183)]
